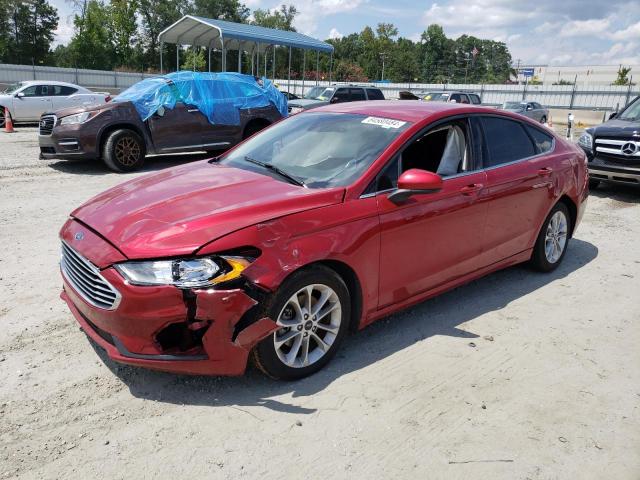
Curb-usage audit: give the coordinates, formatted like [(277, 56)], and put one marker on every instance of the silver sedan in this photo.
[(529, 109)]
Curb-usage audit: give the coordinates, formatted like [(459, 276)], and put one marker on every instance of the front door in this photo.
[(179, 128), (33, 103), (432, 238)]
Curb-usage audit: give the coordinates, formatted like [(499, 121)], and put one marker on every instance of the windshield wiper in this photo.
[(275, 169)]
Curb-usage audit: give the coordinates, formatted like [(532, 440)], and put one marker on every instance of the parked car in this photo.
[(529, 109), (450, 96), (26, 101), (290, 96), (613, 148), (335, 94), (318, 225), (125, 130)]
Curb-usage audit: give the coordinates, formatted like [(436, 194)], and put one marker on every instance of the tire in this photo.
[(123, 151), (253, 127), (1, 117), (543, 119), (593, 184), (553, 240), (282, 361)]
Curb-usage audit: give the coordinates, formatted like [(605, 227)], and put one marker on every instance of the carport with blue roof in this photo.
[(222, 36)]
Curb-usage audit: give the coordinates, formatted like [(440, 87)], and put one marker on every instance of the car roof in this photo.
[(51, 82), (406, 110)]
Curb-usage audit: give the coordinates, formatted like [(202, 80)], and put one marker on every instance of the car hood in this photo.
[(307, 103), (178, 210), (89, 108), (618, 128)]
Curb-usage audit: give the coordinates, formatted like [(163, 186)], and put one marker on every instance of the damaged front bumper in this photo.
[(197, 331)]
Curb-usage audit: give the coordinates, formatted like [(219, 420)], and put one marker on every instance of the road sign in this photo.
[(527, 72)]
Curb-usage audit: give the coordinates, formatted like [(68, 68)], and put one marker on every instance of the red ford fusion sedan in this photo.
[(316, 226)]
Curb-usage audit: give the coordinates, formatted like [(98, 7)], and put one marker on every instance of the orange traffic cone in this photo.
[(8, 123)]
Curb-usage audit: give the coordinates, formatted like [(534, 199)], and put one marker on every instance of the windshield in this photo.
[(326, 94), (317, 149), (436, 97), (632, 112), (13, 88), (314, 93), (513, 106)]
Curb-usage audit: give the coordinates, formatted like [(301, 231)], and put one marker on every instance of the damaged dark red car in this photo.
[(316, 226)]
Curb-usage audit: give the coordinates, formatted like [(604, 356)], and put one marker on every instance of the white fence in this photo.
[(588, 97), (596, 97)]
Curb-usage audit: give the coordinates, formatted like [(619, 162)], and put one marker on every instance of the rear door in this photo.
[(520, 178), (61, 97), (179, 128), (357, 94)]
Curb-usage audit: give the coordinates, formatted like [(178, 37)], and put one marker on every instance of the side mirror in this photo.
[(160, 111), (415, 182), (20, 94), (613, 115), (529, 107)]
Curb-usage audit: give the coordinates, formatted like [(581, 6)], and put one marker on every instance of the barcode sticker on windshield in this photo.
[(383, 122)]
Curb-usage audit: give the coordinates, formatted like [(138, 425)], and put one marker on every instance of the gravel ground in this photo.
[(515, 376)]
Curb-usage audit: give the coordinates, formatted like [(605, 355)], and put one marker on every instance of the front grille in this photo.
[(618, 149), (87, 281), (47, 122)]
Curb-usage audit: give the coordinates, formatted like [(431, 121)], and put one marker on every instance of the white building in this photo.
[(583, 75)]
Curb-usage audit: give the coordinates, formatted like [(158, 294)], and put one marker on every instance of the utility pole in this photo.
[(383, 55)]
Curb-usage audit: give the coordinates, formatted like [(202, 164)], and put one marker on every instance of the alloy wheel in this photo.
[(555, 237), (309, 321), (1, 118), (127, 151)]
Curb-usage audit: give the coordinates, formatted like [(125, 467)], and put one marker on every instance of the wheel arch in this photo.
[(108, 130)]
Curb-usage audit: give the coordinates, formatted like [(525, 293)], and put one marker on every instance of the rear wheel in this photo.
[(553, 239), (123, 151), (1, 117), (312, 309), (543, 119)]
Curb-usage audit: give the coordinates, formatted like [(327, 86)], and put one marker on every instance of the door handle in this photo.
[(545, 172), (471, 189)]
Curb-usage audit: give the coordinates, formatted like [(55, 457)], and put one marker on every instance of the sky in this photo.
[(548, 32)]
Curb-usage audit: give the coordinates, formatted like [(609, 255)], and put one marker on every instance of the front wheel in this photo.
[(1, 117), (312, 309), (552, 241), (123, 151)]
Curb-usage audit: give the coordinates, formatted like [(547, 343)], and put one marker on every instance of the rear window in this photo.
[(542, 141), (475, 99), (505, 141), (374, 94)]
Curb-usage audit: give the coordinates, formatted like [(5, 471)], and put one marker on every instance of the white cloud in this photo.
[(310, 12), (335, 34), (584, 28), (64, 32), (631, 32)]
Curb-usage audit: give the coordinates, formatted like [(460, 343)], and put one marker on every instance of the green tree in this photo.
[(623, 76), (31, 25), (194, 59), (90, 46), (403, 63), (231, 10), (123, 30), (281, 19), (4, 30), (156, 15)]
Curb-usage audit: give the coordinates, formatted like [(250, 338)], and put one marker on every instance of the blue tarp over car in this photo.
[(219, 96)]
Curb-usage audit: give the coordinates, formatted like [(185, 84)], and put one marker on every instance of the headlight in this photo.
[(184, 273), (295, 110), (77, 118), (586, 141)]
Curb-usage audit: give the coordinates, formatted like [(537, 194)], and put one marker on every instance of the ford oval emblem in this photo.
[(79, 236)]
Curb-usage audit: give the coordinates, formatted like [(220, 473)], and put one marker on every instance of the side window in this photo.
[(63, 90), (542, 141), (475, 99), (30, 91), (341, 95), (505, 141), (357, 94), (43, 91), (374, 94), (455, 98), (444, 150), (464, 99), (387, 179)]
